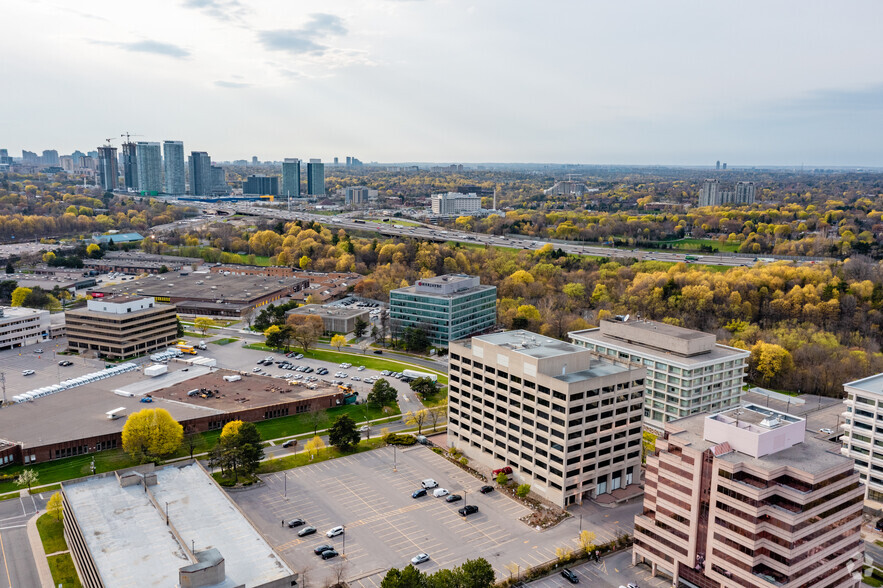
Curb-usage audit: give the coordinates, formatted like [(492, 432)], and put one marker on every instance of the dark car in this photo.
[(65, 363), (378, 352), (290, 443), (879, 525), (296, 523), (328, 554), (453, 498), (419, 493), (570, 576), (323, 548), (306, 531), (486, 489), (468, 510)]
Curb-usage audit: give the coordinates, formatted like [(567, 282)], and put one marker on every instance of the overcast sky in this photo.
[(577, 81)]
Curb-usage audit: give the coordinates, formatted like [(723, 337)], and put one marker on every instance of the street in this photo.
[(17, 566)]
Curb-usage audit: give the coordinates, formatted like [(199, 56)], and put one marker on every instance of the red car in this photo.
[(506, 470)]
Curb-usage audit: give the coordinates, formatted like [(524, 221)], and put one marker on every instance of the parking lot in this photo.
[(385, 527), (45, 365)]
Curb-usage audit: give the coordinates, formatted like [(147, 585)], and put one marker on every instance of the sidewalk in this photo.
[(39, 554)]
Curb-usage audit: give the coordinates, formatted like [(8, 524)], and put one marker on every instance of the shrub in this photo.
[(464, 461), (522, 490), (396, 439)]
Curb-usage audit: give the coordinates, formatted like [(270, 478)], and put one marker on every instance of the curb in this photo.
[(39, 554)]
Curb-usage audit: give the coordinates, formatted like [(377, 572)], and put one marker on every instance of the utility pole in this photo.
[(3, 382)]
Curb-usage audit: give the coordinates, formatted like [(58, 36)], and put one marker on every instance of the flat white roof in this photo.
[(718, 354), (872, 384), (131, 545)]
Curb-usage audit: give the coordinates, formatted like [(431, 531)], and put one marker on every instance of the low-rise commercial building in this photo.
[(448, 307), (862, 439), (137, 262), (120, 327), (688, 372), (20, 326), (335, 319), (454, 203), (565, 420), (745, 498), (172, 526)]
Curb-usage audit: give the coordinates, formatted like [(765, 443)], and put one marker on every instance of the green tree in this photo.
[(416, 339), (426, 387), (239, 449), (360, 327), (163, 269), (502, 479), (522, 490), (10, 269), (343, 434), (180, 327), (382, 393), (55, 506), (151, 434), (476, 573)]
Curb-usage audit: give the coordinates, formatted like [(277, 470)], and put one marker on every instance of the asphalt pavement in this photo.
[(18, 568)]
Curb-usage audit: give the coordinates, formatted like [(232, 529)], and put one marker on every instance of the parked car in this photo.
[(321, 548), (827, 431), (439, 492), (570, 576), (504, 470), (334, 531), (419, 558), (453, 498), (486, 489), (28, 372), (296, 523), (361, 368), (422, 492), (65, 363), (290, 443), (378, 352), (429, 483), (879, 525), (328, 554), (38, 350), (306, 531), (468, 510)]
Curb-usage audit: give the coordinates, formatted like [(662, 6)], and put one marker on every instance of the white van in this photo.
[(439, 492), (429, 483)]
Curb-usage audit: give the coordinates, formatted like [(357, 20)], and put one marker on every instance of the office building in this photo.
[(5, 159), (173, 162), (862, 438), (566, 421), (335, 319), (717, 164), (316, 178), (261, 185), (745, 498), (355, 195), (291, 177), (29, 157), (66, 162), (254, 160), (149, 167), (200, 165), (50, 157), (20, 326), (129, 163), (108, 170), (169, 526), (335, 161), (688, 372), (448, 307), (121, 327), (454, 203), (219, 181)]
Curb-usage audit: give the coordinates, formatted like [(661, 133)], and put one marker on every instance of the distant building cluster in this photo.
[(567, 188), (711, 194)]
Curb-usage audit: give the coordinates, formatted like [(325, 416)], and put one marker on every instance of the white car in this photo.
[(419, 558), (827, 431), (361, 368), (28, 372), (343, 365), (334, 532)]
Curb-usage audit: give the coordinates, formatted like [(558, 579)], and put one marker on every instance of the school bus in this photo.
[(186, 349)]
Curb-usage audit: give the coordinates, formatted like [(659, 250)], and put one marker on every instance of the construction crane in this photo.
[(127, 135), (109, 140)]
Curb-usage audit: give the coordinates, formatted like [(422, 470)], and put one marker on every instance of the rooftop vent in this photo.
[(770, 422)]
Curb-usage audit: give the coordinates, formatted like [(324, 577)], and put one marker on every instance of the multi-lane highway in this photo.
[(428, 232)]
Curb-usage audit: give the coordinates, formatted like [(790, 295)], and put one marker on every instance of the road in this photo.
[(426, 232), (17, 566)]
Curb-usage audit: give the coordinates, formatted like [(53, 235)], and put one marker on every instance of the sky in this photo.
[(559, 81)]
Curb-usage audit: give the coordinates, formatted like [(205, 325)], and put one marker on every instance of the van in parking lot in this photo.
[(429, 483)]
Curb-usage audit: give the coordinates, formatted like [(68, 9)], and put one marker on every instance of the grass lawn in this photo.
[(63, 571), (52, 488), (436, 399), (72, 467), (224, 341), (51, 533), (197, 335), (9, 496), (303, 423), (301, 459), (369, 360), (395, 221)]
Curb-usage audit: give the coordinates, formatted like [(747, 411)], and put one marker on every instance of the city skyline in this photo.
[(742, 86)]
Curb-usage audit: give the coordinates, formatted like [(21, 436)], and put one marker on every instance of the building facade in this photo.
[(121, 327), (355, 195), (688, 372), (862, 438), (108, 168), (259, 184), (448, 307), (20, 326), (173, 161), (219, 181), (316, 177), (130, 166), (566, 421), (335, 319), (200, 165), (453, 203), (149, 167), (291, 177), (745, 498), (712, 194)]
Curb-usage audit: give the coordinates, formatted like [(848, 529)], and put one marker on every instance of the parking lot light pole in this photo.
[(344, 540), (285, 486), (394, 464)]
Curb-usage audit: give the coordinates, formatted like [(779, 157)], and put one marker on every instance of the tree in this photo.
[(55, 506), (306, 329), (426, 387), (278, 337), (313, 299), (416, 418), (343, 434), (476, 573), (416, 339), (338, 341), (304, 262), (19, 295), (239, 449), (163, 269), (382, 393), (768, 360), (150, 434), (180, 327), (313, 446), (587, 541), (27, 478), (502, 479), (93, 250), (648, 444), (48, 257), (360, 327), (203, 324), (10, 269), (438, 413), (522, 490)]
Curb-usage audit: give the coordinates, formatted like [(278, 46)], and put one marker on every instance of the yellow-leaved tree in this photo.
[(338, 341), (313, 446), (19, 295), (151, 434)]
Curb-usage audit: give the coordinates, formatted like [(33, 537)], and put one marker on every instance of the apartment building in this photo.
[(862, 438), (745, 498), (454, 203), (688, 372), (121, 326), (449, 307), (21, 326), (565, 420)]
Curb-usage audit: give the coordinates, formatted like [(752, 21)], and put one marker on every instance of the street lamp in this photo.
[(344, 540)]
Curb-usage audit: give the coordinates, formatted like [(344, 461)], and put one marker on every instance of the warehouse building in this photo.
[(121, 327)]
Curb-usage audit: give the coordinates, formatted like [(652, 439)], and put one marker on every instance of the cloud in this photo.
[(233, 85), (306, 39), (148, 46), (223, 10)]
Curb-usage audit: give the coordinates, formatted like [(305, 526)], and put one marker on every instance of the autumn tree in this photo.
[(314, 446), (203, 324), (417, 418), (55, 506), (338, 341), (151, 434), (19, 295), (305, 329)]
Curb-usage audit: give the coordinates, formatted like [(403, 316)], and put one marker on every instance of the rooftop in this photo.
[(872, 384), (127, 536), (329, 311), (203, 286), (530, 344)]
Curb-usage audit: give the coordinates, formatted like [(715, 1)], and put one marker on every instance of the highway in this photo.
[(425, 232)]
